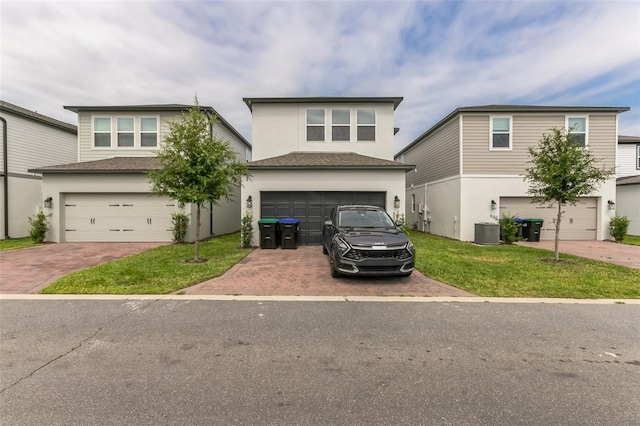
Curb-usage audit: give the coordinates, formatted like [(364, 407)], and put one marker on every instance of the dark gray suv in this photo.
[(364, 240)]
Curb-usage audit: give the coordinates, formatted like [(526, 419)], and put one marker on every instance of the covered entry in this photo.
[(312, 208)]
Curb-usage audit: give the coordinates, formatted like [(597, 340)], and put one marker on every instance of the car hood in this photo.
[(373, 237)]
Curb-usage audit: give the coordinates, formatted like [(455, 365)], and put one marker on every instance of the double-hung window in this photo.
[(148, 132), (341, 125), (102, 132), (366, 122), (638, 157), (315, 125), (125, 131), (500, 133), (577, 128)]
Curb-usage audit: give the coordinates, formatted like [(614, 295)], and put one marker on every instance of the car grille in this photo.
[(359, 254)]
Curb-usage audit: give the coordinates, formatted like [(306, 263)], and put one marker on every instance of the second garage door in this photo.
[(579, 222), (312, 208), (118, 217)]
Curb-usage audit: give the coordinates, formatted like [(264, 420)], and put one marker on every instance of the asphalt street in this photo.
[(188, 362)]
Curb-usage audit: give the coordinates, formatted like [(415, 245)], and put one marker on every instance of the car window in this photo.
[(364, 219)]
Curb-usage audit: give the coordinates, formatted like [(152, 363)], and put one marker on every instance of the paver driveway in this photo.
[(29, 270), (605, 251)]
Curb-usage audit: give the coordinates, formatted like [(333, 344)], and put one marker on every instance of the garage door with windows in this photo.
[(312, 208), (118, 217), (579, 222)]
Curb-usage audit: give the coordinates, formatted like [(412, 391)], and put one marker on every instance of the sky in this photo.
[(437, 55)]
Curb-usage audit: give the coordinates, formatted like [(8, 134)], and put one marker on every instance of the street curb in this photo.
[(320, 299)]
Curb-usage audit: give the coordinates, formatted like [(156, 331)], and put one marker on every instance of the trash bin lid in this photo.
[(289, 220), (268, 220), (533, 219)]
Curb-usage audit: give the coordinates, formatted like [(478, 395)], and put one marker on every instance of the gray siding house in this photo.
[(628, 181), (470, 168), (105, 195), (29, 140)]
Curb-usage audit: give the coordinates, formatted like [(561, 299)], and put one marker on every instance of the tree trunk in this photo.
[(557, 239), (197, 243)]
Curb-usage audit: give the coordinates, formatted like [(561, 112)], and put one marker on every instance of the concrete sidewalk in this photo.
[(605, 251)]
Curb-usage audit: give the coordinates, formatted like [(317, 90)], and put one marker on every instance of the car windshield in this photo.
[(365, 219)]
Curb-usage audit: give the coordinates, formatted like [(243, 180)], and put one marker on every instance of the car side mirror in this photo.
[(328, 222), (399, 222)]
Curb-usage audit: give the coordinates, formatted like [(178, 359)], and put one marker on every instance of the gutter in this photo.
[(5, 166)]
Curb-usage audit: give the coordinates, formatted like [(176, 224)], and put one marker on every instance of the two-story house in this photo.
[(311, 154), (628, 181), (29, 140), (105, 196), (470, 168)]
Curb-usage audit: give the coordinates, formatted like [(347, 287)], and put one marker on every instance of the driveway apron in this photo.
[(29, 270)]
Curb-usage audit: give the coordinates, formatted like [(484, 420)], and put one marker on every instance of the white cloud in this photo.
[(438, 55)]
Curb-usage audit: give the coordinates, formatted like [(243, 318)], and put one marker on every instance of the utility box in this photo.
[(289, 233), (268, 233), (487, 234)]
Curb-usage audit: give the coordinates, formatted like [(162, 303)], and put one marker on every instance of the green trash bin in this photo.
[(268, 233), (531, 229)]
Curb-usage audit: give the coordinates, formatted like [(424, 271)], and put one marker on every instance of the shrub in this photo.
[(39, 227), (180, 224), (246, 230), (618, 227), (510, 228)]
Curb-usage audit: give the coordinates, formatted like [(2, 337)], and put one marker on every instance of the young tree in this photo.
[(561, 171), (195, 167)]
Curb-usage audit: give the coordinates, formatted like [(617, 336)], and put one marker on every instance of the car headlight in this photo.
[(410, 247), (342, 246)]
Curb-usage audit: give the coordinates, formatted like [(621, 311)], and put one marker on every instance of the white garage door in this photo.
[(118, 217), (578, 222)]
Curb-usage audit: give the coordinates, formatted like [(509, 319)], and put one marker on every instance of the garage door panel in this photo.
[(578, 222)]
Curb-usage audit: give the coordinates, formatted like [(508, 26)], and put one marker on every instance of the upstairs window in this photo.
[(340, 125), (102, 132), (638, 157), (315, 125), (366, 124), (125, 132), (577, 128), (148, 132), (500, 132)]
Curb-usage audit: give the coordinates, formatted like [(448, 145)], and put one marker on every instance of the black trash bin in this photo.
[(289, 233), (531, 228), (268, 233)]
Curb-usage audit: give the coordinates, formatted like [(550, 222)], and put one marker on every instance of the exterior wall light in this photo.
[(249, 202), (48, 202), (396, 202), (494, 205), (612, 205)]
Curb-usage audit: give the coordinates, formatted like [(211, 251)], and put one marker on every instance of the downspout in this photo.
[(5, 167)]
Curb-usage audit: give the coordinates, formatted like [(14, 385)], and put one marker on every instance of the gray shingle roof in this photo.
[(109, 165), (628, 139), (35, 116), (326, 160), (323, 99), (628, 180)]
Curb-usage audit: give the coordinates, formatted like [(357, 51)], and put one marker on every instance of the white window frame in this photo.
[(348, 125), (94, 131), (132, 132), (413, 203), (157, 132), (375, 126), (307, 125), (638, 156), (491, 133), (586, 126)]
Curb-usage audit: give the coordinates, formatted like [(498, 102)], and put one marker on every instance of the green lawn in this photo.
[(157, 271), (16, 243), (633, 240), (517, 271)]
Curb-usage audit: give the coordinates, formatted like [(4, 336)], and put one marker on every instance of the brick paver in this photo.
[(305, 272), (29, 270), (606, 251)]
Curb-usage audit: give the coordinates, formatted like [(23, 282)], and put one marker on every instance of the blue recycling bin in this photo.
[(289, 233)]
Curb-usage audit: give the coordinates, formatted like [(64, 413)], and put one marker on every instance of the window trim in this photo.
[(323, 125), (94, 131), (586, 127), (140, 132), (348, 125), (638, 156), (413, 203), (375, 126), (491, 133), (132, 132)]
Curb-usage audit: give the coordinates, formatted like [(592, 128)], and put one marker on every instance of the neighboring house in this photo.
[(29, 140), (628, 181), (470, 168), (105, 196), (311, 154)]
